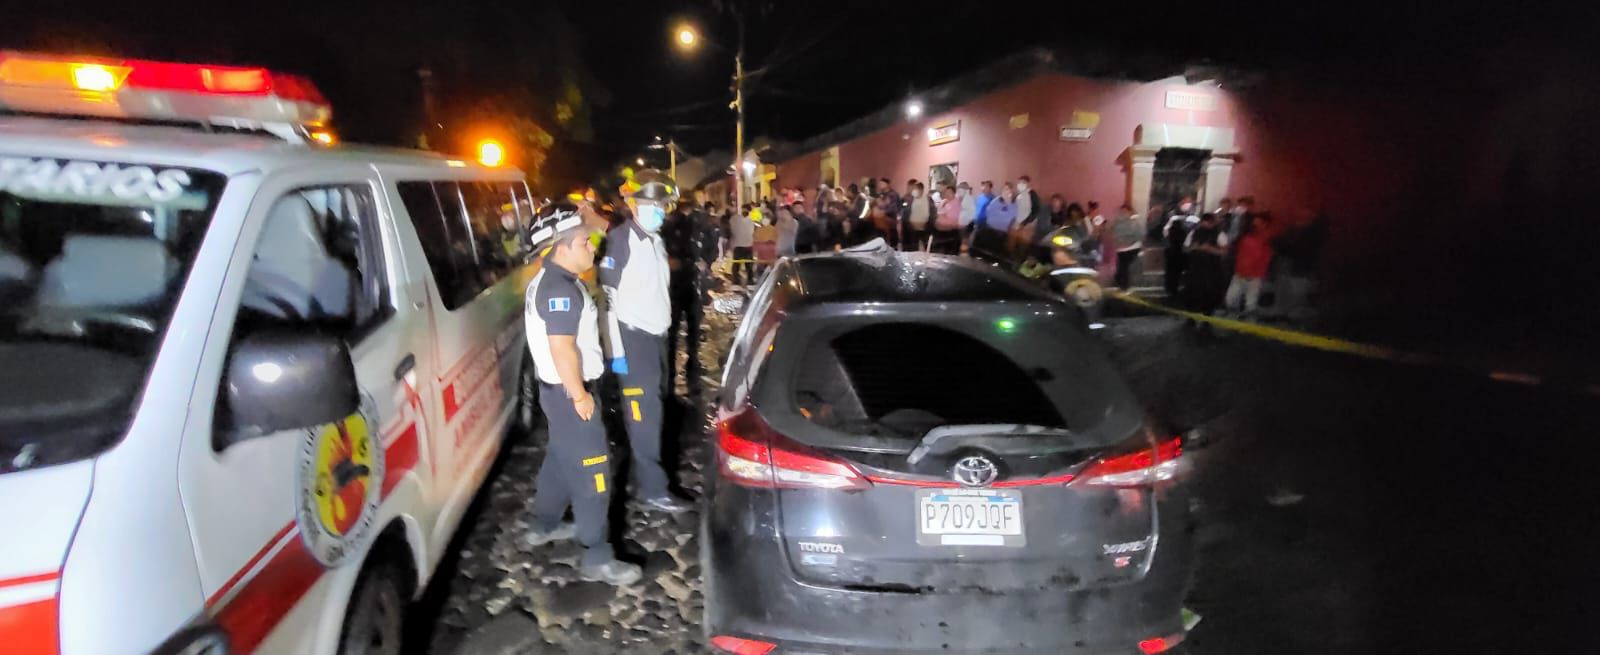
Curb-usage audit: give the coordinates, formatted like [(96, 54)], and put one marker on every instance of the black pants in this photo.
[(991, 245), (687, 312), (946, 242), (1177, 260), (642, 387), (744, 272), (1126, 259), (576, 473), (915, 239), (1204, 283)]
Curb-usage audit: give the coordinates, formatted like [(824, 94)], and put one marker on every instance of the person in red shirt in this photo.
[(1252, 259)]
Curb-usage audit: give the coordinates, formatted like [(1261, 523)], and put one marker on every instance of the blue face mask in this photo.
[(650, 217)]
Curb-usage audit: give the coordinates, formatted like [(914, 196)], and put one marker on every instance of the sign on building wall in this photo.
[(1069, 133), (948, 132), (1019, 121), (1191, 101)]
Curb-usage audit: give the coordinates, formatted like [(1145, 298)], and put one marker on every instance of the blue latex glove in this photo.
[(619, 366)]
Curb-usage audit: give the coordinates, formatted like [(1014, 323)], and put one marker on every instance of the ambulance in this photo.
[(251, 379)]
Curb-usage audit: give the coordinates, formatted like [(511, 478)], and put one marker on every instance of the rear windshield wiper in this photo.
[(1002, 439)]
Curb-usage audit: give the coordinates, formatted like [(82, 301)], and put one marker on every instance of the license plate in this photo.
[(969, 517)]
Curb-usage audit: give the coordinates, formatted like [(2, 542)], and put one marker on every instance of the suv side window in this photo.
[(754, 336), (319, 262)]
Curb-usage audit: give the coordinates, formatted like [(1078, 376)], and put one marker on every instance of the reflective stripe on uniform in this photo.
[(633, 391), (594, 460), (600, 483), (637, 416)]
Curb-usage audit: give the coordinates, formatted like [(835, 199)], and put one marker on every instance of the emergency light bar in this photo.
[(229, 96)]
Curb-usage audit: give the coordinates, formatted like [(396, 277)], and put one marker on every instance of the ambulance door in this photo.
[(477, 318), (281, 521)]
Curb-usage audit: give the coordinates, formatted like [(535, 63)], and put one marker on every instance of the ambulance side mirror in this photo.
[(279, 381)]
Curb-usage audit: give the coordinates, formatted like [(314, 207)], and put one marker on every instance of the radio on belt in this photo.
[(244, 98)]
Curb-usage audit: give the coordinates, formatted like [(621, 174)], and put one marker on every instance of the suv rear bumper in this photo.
[(750, 594)]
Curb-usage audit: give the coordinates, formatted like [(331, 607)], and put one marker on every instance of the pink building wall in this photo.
[(989, 148), (1361, 158)]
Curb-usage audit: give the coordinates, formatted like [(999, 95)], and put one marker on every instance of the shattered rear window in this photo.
[(908, 378)]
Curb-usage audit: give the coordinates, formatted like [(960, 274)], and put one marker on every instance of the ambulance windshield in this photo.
[(92, 257)]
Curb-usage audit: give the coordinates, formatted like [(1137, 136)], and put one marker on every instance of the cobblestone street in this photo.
[(507, 597)]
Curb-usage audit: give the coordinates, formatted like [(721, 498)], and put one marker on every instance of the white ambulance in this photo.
[(251, 380)]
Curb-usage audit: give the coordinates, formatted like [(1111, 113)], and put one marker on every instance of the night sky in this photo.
[(822, 62)]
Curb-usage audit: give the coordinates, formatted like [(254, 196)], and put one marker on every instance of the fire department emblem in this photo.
[(341, 479)]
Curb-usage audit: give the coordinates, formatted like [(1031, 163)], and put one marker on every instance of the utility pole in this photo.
[(738, 130), (425, 77)]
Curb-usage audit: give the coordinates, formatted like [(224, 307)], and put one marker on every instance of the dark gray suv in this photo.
[(919, 453)]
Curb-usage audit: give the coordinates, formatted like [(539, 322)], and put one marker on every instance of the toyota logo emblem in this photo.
[(975, 471)]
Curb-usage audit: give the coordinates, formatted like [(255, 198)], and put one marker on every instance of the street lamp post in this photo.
[(687, 38), (671, 145)]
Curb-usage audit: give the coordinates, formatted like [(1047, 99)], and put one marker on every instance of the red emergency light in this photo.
[(158, 90)]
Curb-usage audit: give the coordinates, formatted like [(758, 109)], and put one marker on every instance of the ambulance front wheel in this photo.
[(374, 623)]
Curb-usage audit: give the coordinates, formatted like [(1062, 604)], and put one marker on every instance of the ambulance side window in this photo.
[(318, 262), (492, 215), (447, 242)]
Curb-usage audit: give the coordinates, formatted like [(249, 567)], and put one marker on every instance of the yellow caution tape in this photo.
[(1292, 337), (1333, 344)]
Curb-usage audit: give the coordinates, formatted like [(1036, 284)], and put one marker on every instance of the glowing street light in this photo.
[(491, 153), (913, 109), (687, 36), (639, 161)]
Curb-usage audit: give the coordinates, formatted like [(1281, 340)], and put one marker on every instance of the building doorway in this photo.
[(940, 175), (1178, 172)]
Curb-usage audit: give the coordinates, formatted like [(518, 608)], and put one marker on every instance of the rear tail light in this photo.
[(739, 646), (754, 455), (1160, 644), (1141, 467)]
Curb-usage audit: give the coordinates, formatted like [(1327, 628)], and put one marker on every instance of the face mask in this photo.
[(1186, 208), (650, 217), (1023, 188)]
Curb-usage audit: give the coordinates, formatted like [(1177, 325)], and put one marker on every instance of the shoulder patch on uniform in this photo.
[(560, 304), (608, 262)]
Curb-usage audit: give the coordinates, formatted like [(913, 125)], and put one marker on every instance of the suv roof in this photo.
[(888, 276)]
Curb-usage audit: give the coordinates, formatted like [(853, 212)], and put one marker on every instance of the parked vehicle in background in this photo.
[(867, 501)]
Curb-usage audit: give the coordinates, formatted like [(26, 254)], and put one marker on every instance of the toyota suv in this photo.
[(921, 453)]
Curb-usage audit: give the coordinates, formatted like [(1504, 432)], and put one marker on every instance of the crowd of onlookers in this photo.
[(1215, 260)]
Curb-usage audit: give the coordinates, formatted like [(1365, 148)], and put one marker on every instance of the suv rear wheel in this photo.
[(374, 623)]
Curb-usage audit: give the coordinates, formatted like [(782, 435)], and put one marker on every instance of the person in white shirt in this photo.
[(563, 332), (969, 204), (636, 277), (742, 239)]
